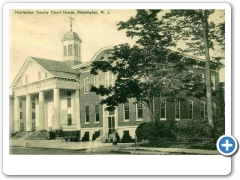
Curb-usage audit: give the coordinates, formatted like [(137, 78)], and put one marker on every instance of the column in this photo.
[(76, 110), (56, 109), (41, 116), (16, 114), (37, 114), (28, 113)]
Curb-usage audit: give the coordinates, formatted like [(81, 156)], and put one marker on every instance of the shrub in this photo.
[(219, 128), (95, 135), (155, 130), (143, 131), (126, 138), (196, 128), (199, 128), (85, 137)]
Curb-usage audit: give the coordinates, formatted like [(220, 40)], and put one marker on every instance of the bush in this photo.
[(219, 128), (155, 130), (199, 129), (95, 135), (126, 138), (85, 137), (196, 128)]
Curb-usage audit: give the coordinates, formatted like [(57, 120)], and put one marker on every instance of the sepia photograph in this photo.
[(114, 83), (117, 89)]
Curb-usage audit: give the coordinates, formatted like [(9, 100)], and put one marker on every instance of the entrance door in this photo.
[(111, 124)]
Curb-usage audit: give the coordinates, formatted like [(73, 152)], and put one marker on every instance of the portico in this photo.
[(55, 100)]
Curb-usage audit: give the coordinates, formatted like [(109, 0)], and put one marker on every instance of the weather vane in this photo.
[(71, 21)]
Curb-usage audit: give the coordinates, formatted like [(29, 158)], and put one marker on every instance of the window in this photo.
[(213, 82), (214, 108), (86, 85), (202, 109), (177, 110), (110, 79), (21, 126), (39, 75), (68, 102), (106, 79), (139, 110), (70, 50), (190, 109), (26, 79), (33, 115), (76, 50), (33, 127), (65, 50), (20, 104), (202, 75), (126, 111), (96, 81), (86, 114), (21, 115), (46, 74), (33, 105), (162, 108), (97, 113), (69, 119)]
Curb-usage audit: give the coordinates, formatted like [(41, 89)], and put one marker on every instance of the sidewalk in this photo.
[(120, 148), (165, 151), (57, 144)]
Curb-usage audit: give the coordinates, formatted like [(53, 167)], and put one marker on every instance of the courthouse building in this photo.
[(53, 95)]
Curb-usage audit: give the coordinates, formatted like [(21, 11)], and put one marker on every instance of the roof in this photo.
[(97, 56), (54, 66), (71, 36), (101, 52)]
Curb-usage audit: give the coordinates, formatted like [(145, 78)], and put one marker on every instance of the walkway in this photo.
[(120, 148)]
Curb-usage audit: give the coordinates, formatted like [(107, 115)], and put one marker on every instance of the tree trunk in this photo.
[(208, 82), (150, 100)]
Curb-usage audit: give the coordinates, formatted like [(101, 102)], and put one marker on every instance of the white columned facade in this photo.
[(56, 109), (16, 114), (28, 113), (76, 109), (41, 114)]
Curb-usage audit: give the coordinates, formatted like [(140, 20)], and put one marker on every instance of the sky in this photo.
[(40, 35)]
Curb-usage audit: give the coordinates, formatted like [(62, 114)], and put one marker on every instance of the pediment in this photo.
[(30, 72)]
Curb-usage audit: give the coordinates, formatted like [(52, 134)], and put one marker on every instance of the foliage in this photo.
[(219, 128), (85, 137), (95, 135), (196, 128), (148, 68), (188, 26), (155, 130), (191, 134), (199, 129), (199, 35), (126, 138)]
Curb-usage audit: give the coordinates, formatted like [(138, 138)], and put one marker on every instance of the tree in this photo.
[(199, 34), (149, 68)]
